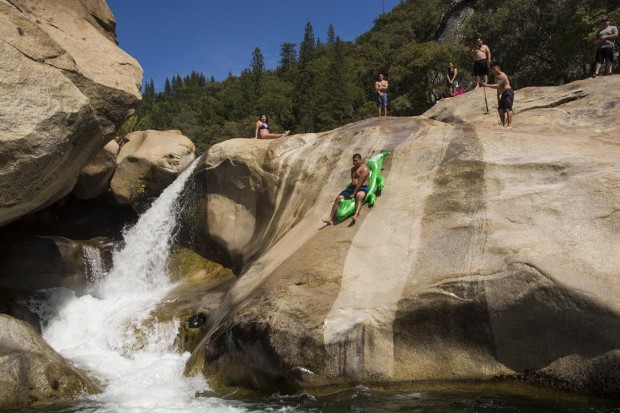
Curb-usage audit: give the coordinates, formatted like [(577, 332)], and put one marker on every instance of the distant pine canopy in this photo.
[(320, 85)]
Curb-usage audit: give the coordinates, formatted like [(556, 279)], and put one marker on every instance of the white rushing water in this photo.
[(97, 331), (93, 263)]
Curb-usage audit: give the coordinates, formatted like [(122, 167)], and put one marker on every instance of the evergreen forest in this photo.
[(324, 82)]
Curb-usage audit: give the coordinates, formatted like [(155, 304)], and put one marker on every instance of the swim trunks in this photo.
[(382, 100), (604, 53), (348, 192), (506, 100), (481, 68)]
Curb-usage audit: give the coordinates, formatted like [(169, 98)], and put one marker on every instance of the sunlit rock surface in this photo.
[(66, 89), (490, 252), (148, 162)]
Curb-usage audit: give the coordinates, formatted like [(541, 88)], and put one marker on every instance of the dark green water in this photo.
[(364, 400)]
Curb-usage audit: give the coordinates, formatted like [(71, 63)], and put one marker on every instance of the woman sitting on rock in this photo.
[(263, 131)]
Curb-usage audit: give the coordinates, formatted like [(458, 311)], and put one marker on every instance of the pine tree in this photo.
[(257, 69), (304, 95), (288, 56), (331, 35)]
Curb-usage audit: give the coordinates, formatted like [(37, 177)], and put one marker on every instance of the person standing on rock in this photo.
[(505, 95), (605, 46), (481, 54), (358, 188), (381, 86), (451, 77), (263, 131)]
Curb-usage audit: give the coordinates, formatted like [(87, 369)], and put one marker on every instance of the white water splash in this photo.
[(98, 331)]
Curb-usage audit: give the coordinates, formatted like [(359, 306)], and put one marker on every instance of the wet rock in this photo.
[(31, 372)]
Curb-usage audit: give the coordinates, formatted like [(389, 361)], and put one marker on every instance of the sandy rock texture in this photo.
[(148, 162), (32, 372), (66, 89), (490, 252)]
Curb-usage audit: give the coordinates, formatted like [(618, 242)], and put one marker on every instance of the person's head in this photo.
[(479, 41), (605, 21), (263, 118), (495, 69), (357, 159), (381, 77), (451, 65)]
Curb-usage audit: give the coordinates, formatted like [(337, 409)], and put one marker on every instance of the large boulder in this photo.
[(490, 252), (95, 178), (32, 372), (148, 162), (66, 89)]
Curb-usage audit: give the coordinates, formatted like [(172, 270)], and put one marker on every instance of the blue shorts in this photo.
[(382, 100), (347, 193), (505, 102)]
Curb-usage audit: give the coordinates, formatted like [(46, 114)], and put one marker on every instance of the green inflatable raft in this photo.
[(375, 182)]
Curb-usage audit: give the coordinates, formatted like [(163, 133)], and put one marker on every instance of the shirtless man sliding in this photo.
[(358, 188), (482, 61), (505, 95)]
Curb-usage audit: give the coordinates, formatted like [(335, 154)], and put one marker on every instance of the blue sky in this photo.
[(218, 37)]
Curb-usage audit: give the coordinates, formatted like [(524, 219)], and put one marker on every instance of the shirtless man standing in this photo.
[(358, 188), (381, 86), (482, 61), (505, 95)]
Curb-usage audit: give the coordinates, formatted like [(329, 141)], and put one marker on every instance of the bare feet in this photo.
[(286, 133), (355, 218), (328, 221)]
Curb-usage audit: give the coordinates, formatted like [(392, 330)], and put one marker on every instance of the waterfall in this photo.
[(97, 331), (93, 263)]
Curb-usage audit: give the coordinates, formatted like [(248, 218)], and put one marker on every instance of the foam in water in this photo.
[(98, 331)]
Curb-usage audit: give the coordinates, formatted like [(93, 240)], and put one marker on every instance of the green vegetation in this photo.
[(321, 85)]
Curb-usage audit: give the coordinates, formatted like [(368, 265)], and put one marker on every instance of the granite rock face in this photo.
[(95, 178), (148, 162), (490, 252), (66, 89)]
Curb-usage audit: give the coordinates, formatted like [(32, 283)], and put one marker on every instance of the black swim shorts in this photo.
[(481, 68), (604, 53), (506, 100)]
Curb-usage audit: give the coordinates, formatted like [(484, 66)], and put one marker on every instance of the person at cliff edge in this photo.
[(481, 54), (381, 86), (505, 95), (358, 188), (605, 46)]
